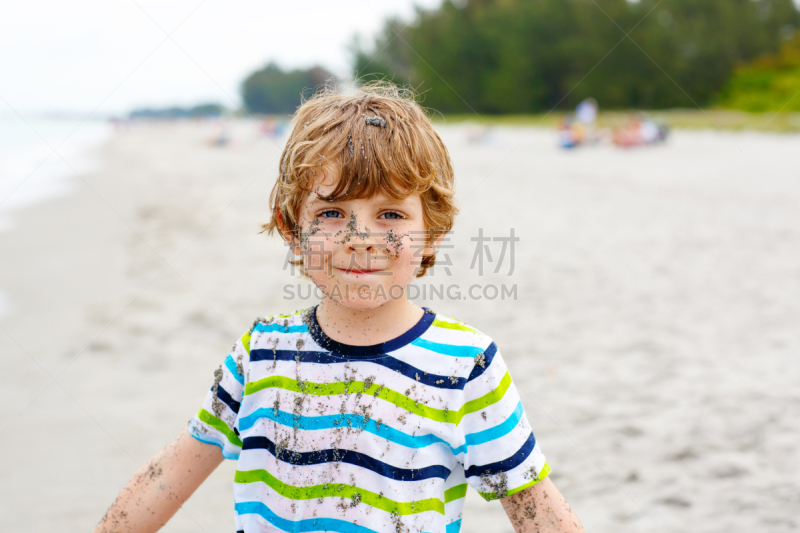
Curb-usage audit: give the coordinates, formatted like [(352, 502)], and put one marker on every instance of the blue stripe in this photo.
[(230, 364), (488, 435), (206, 440), (226, 398), (300, 526), (347, 456), (506, 464), (392, 363), (453, 527), (488, 357), (313, 524), (311, 423), (448, 349), (270, 328)]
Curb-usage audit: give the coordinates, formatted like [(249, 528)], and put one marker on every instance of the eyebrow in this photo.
[(318, 200), (388, 200)]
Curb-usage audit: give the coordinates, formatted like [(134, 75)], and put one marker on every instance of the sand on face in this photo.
[(653, 337)]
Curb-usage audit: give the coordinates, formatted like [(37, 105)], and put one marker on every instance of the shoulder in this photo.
[(280, 323), (465, 340), (453, 331), (277, 330)]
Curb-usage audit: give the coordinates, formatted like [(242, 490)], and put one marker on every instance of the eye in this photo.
[(330, 213), (392, 215)]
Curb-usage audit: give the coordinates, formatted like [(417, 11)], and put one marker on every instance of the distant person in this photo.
[(640, 130), (649, 131), (629, 134), (586, 112), (579, 129), (566, 139), (570, 133), (223, 138), (366, 413), (270, 127), (480, 135), (273, 127)]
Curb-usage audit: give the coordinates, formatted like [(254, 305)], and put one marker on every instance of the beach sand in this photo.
[(653, 336)]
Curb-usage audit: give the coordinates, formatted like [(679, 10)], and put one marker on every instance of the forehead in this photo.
[(325, 184)]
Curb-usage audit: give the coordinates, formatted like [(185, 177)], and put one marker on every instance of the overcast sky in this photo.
[(76, 55)]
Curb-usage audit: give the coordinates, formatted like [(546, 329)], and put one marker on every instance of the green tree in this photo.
[(272, 90), (770, 83), (511, 56)]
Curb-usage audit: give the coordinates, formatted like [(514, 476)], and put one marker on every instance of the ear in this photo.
[(292, 242), (287, 233)]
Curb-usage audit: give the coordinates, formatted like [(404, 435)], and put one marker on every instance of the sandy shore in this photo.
[(653, 337)]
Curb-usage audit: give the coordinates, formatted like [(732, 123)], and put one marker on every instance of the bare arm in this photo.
[(161, 486), (541, 509)]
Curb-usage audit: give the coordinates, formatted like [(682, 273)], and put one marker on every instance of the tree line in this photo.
[(523, 56), (529, 56), (273, 91)]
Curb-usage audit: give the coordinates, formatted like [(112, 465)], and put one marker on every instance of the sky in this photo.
[(109, 56)]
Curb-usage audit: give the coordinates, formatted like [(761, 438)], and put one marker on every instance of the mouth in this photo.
[(357, 271)]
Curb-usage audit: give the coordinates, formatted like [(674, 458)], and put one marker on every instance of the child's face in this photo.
[(361, 253)]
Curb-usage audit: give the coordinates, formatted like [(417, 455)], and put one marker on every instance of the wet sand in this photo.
[(653, 336)]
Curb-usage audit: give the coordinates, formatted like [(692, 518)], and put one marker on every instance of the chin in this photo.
[(358, 304), (349, 295)]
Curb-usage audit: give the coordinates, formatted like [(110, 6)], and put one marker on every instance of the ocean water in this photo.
[(30, 170)]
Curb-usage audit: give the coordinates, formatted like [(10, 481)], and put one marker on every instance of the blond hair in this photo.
[(378, 139)]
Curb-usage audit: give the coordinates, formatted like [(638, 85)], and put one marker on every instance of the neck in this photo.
[(365, 327)]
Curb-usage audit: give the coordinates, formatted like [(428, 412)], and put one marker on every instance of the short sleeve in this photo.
[(216, 421), (502, 456)]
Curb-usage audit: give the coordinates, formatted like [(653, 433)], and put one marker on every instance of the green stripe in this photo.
[(298, 312), (487, 399), (246, 342), (378, 391), (219, 425), (452, 325), (543, 473), (455, 493), (339, 490)]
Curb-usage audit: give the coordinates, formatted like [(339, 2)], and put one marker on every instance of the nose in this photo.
[(360, 246), (361, 241), (359, 238)]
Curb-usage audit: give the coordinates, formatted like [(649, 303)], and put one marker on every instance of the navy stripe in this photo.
[(506, 464), (401, 367), (347, 456), (376, 349), (226, 398), (488, 357)]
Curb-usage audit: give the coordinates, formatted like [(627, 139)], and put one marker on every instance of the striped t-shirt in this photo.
[(366, 439)]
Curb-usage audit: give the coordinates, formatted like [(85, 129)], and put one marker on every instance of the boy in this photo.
[(366, 413)]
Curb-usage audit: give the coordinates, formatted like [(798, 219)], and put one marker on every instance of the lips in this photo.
[(357, 271)]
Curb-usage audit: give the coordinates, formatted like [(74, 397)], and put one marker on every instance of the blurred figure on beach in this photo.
[(586, 113), (570, 132), (223, 137), (580, 128), (274, 127), (475, 134), (640, 130), (575, 130)]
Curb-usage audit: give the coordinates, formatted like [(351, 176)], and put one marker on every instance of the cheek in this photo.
[(317, 253), (406, 248), (405, 242)]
